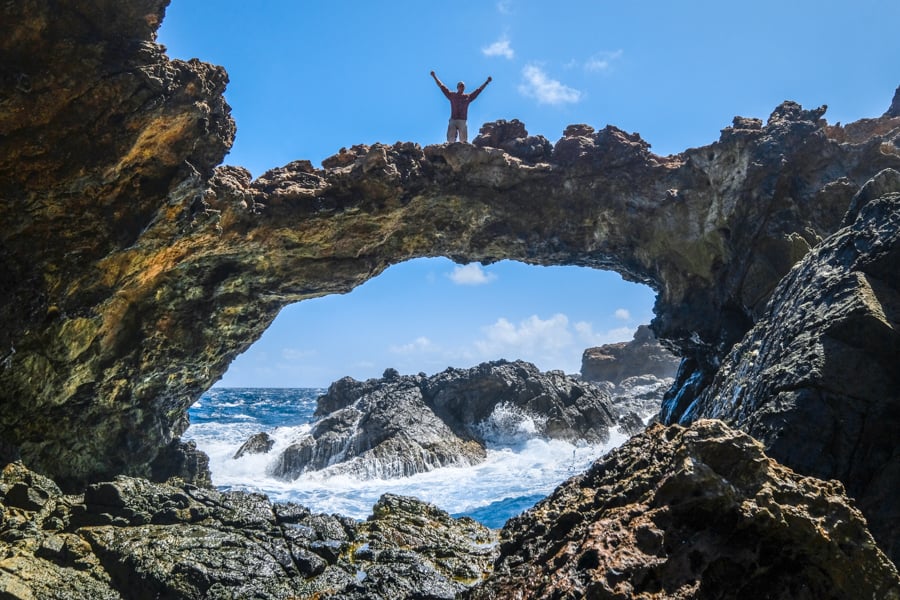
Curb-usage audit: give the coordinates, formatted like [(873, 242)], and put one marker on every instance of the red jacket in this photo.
[(459, 103)]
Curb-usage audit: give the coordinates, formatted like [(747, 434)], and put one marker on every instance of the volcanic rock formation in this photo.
[(817, 379), (129, 538), (401, 425), (700, 512), (135, 269)]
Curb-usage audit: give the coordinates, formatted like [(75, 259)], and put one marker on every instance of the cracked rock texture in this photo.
[(817, 379), (130, 538), (401, 425), (643, 355), (698, 512)]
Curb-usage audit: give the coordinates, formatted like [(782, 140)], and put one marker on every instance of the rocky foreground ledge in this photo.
[(135, 268), (677, 512), (698, 512)]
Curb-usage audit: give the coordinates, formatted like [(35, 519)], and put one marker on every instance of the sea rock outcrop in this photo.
[(817, 379), (698, 512), (643, 355), (129, 538), (401, 425), (135, 270), (259, 443)]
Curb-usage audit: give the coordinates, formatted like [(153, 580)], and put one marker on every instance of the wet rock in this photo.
[(401, 425), (697, 512), (390, 431), (131, 538), (259, 443)]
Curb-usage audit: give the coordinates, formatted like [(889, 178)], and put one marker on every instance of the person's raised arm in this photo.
[(474, 94), (441, 85)]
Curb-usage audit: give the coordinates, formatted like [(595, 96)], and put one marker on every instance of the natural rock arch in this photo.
[(136, 270)]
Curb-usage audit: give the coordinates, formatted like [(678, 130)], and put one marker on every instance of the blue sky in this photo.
[(310, 77)]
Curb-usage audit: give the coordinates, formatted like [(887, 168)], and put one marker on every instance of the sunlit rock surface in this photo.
[(135, 272), (643, 355), (697, 512), (817, 380), (130, 538)]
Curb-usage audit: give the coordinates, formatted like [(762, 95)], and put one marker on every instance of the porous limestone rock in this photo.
[(698, 512)]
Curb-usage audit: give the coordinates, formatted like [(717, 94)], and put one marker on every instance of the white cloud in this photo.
[(499, 48), (623, 314), (602, 61), (417, 346), (537, 84), (530, 339), (471, 274), (589, 338)]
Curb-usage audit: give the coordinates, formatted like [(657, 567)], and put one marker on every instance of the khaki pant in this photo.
[(457, 126)]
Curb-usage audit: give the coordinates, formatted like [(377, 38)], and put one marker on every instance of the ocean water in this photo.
[(520, 469)]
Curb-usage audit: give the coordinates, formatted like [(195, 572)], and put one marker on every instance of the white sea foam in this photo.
[(520, 465), (536, 466)]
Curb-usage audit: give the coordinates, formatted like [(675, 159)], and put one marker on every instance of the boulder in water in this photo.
[(401, 425), (258, 443)]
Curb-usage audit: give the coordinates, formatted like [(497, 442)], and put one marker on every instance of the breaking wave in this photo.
[(521, 467)]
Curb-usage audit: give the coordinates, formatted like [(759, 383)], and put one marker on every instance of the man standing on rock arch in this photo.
[(459, 108)]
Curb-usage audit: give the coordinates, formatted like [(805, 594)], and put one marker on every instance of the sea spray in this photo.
[(520, 467)]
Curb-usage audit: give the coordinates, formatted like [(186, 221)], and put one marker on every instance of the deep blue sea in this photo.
[(519, 470)]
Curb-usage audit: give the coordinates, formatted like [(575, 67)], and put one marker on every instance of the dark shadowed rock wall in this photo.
[(817, 379)]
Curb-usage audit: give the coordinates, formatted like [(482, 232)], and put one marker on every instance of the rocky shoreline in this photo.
[(775, 253), (676, 512), (401, 425), (130, 538)]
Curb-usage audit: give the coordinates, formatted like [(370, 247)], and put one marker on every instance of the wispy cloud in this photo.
[(602, 61), (499, 48), (471, 274), (505, 7), (623, 314), (538, 85), (588, 337), (296, 354), (417, 346)]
